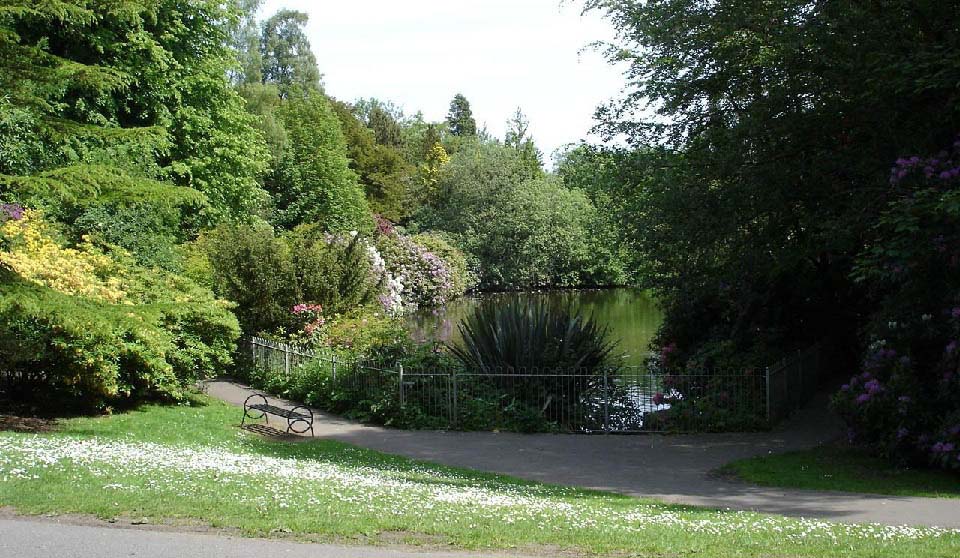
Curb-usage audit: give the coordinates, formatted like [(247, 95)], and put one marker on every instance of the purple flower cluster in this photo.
[(866, 386), (941, 167), (11, 211), (942, 447)]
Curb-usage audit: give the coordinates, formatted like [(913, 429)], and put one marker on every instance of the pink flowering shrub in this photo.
[(311, 316)]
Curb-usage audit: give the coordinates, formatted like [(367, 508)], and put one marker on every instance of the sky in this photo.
[(501, 54)]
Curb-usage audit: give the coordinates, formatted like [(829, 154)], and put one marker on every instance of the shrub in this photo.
[(521, 335), (462, 278), (427, 281), (89, 353), (31, 249), (266, 275), (546, 355), (904, 401), (253, 268), (149, 232), (334, 271), (365, 334), (95, 328)]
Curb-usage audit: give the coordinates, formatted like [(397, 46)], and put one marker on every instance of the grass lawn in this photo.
[(840, 467), (192, 463)]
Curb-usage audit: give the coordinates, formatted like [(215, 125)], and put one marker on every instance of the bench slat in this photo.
[(280, 412)]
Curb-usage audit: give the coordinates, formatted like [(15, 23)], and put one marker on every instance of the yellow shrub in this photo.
[(33, 252)]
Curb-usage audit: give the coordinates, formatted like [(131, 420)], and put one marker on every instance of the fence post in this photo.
[(606, 402), (768, 394), (286, 359), (333, 367), (802, 391), (455, 416), (400, 368)]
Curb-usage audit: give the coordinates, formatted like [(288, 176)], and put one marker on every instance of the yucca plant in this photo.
[(522, 335), (544, 356)]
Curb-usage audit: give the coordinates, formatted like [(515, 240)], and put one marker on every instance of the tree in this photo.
[(384, 118), (518, 138), (460, 117), (245, 42), (288, 61), (100, 117), (312, 182), (522, 229), (774, 125), (386, 130), (121, 128), (382, 172)]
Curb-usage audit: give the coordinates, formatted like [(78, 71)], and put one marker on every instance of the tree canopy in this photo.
[(285, 53), (460, 117)]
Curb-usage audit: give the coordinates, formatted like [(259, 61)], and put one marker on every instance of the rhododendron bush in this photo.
[(905, 399)]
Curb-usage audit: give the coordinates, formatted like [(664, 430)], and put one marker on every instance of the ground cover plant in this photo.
[(190, 462), (845, 468)]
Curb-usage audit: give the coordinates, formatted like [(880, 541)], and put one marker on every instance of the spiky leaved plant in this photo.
[(545, 356)]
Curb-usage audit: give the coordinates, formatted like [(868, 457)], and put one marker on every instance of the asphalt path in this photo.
[(676, 469), (49, 538)]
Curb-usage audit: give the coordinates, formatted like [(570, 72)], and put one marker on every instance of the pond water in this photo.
[(631, 316)]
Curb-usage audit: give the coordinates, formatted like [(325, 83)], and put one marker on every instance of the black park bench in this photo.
[(298, 417)]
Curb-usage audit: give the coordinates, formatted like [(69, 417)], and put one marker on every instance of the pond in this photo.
[(631, 315)]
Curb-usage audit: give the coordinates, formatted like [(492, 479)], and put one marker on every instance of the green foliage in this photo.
[(245, 43), (615, 181), (90, 354), (333, 271), (252, 267), (150, 234), (382, 171), (522, 336), (66, 192), (267, 275), (523, 229), (312, 181), (217, 148), (155, 105), (518, 137), (552, 358), (369, 335), (460, 117), (765, 131), (285, 52)]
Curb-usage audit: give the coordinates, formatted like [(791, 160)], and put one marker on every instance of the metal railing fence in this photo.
[(613, 400), (792, 381)]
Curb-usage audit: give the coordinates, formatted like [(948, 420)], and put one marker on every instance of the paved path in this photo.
[(670, 468), (33, 538)]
